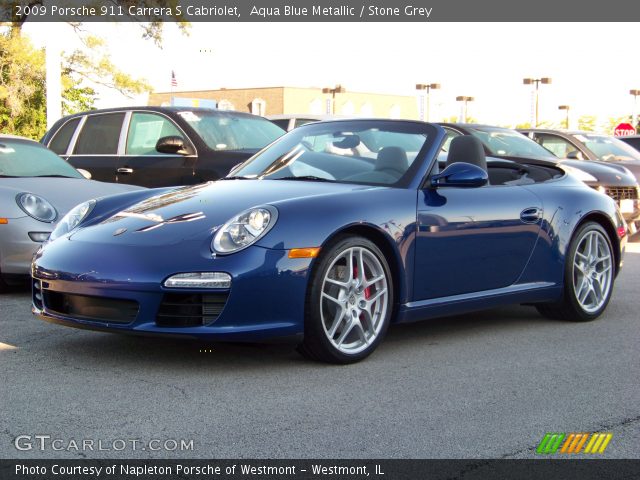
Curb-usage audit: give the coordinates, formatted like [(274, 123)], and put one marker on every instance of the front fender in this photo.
[(385, 214)]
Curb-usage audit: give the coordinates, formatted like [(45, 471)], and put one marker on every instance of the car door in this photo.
[(142, 164), (473, 239), (96, 147)]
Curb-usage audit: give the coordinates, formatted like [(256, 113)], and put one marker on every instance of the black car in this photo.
[(159, 146), (633, 140), (611, 179), (587, 146)]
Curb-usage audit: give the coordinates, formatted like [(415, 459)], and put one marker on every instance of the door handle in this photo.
[(125, 171), (531, 215)]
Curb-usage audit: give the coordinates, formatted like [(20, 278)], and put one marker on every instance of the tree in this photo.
[(92, 63), (89, 64), (612, 122), (22, 88), (151, 28), (587, 123), (22, 78)]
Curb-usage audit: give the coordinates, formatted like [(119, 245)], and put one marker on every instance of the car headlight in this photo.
[(581, 174), (244, 229), (72, 219), (37, 207)]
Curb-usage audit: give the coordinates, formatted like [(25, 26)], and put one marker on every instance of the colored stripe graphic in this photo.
[(574, 443), (550, 443), (598, 443)]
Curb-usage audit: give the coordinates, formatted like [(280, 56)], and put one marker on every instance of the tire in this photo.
[(347, 314), (3, 285), (588, 277)]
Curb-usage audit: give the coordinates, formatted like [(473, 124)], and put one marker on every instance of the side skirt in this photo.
[(469, 302)]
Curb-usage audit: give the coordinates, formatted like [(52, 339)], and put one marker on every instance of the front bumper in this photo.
[(265, 301), (16, 246)]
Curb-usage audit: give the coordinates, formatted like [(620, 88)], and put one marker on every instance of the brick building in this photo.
[(294, 100)]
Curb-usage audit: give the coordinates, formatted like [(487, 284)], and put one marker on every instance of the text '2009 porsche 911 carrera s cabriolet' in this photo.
[(330, 234)]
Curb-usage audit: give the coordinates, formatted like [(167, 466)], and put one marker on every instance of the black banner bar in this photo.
[(583, 469), (319, 11)]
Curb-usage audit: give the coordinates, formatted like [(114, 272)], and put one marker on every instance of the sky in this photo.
[(589, 69)]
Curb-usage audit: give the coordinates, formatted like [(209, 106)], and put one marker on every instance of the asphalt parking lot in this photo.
[(481, 385)]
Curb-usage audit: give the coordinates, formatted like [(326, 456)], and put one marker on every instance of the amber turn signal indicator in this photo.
[(304, 252), (4, 221)]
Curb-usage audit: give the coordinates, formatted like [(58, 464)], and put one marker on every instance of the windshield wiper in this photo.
[(307, 178), (238, 177), (53, 176)]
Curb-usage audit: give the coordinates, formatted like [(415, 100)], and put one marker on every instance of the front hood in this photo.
[(63, 193), (605, 173), (187, 212)]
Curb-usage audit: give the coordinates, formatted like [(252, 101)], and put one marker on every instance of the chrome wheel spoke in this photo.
[(369, 318), (332, 299), (583, 257), (583, 293), (376, 296), (597, 291), (362, 334), (346, 331), (336, 321), (338, 283), (350, 265), (373, 281), (361, 268)]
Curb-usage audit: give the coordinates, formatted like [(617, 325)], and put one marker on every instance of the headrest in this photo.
[(392, 158), (469, 149)]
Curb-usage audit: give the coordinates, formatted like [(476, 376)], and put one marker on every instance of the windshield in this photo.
[(227, 131), (369, 152), (509, 143), (608, 148), (27, 159)]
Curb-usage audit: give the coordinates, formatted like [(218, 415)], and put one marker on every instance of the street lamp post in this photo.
[(424, 114), (566, 108), (634, 116), (333, 91), (537, 82), (465, 100)]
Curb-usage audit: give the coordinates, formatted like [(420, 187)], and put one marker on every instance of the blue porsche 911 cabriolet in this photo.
[(327, 236)]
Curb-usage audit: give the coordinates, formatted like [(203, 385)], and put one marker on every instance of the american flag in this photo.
[(174, 82)]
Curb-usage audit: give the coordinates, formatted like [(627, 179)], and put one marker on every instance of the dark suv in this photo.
[(159, 146)]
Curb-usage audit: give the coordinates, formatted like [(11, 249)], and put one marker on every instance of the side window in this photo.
[(145, 130), (556, 145), (282, 123), (100, 135), (60, 141)]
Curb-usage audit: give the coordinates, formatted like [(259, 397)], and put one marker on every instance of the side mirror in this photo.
[(85, 173), (172, 144), (575, 155), (460, 174)]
